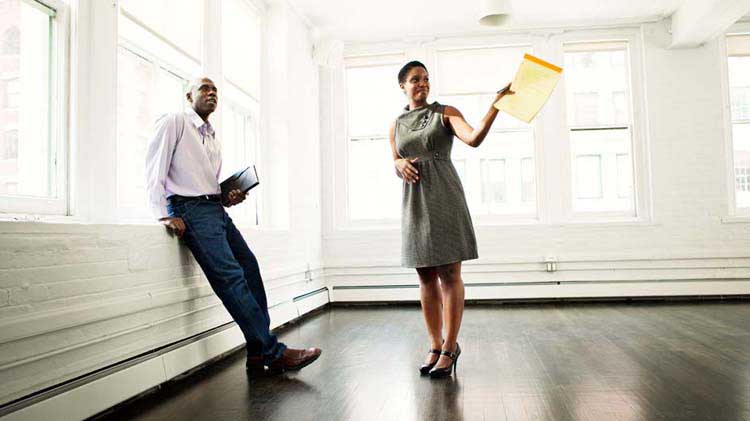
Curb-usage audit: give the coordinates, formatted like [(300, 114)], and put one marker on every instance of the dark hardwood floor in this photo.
[(613, 361)]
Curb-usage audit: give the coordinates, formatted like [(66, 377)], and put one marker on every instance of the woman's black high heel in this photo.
[(425, 368), (439, 373)]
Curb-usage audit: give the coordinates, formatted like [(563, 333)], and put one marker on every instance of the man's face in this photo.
[(204, 97)]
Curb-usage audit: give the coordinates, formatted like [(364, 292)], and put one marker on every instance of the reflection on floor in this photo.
[(614, 361)]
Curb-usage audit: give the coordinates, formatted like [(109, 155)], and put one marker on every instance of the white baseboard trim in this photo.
[(552, 290), (105, 392)]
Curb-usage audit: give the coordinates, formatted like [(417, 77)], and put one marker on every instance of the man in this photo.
[(183, 163)]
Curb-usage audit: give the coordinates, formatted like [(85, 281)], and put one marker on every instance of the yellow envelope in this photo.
[(533, 85)]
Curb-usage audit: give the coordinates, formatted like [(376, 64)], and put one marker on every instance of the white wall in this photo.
[(688, 247), (76, 297)]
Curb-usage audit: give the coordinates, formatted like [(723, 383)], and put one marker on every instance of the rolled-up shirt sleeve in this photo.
[(158, 160)]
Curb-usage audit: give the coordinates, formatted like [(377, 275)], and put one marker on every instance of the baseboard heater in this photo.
[(57, 389)]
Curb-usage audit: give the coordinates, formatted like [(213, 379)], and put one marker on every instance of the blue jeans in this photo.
[(231, 269)]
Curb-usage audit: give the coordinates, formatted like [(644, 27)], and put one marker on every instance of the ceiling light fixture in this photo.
[(494, 12)]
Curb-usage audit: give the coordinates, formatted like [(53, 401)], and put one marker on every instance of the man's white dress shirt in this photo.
[(183, 158)]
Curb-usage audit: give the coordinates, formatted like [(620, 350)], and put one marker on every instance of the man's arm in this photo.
[(158, 160)]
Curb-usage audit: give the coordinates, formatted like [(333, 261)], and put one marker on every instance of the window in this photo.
[(32, 107), (738, 49), (145, 91), (240, 97), (600, 127), (528, 185), (588, 176), (493, 181), (240, 43), (153, 64), (583, 159), (239, 137), (182, 29), (374, 100), (498, 177)]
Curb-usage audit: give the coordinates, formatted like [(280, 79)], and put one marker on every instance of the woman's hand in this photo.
[(406, 170), (502, 92)]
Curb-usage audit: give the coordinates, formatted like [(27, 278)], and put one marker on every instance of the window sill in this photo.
[(610, 223), (735, 219)]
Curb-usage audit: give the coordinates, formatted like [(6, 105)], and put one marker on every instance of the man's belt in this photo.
[(176, 198)]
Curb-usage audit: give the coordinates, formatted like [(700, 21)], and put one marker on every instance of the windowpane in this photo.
[(498, 189), (374, 100), (741, 141), (528, 180), (597, 84), (240, 43), (624, 176), (179, 21), (490, 69), (588, 170), (374, 188), (145, 91), (28, 150), (738, 48), (493, 181), (598, 111), (602, 170), (238, 137), (492, 174)]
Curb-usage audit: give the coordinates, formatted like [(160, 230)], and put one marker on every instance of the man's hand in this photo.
[(176, 225), (235, 197)]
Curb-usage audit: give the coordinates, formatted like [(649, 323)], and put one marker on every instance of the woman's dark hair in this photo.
[(405, 70)]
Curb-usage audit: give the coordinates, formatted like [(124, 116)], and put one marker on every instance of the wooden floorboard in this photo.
[(568, 361)]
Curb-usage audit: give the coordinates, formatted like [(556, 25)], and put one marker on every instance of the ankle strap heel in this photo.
[(425, 368), (439, 373)]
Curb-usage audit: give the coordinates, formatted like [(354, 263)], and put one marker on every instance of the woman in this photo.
[(437, 234)]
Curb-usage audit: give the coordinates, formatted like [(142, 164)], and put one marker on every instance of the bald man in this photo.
[(183, 162)]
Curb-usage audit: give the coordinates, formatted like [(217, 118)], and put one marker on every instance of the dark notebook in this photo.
[(243, 180)]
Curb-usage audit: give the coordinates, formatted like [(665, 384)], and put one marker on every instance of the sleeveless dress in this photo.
[(436, 226)]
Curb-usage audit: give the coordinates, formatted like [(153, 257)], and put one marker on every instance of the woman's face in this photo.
[(417, 84)]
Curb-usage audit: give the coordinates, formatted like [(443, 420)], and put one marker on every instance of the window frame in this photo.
[(59, 106), (551, 134), (162, 55), (533, 45), (733, 212), (642, 207), (343, 213), (131, 213), (234, 97)]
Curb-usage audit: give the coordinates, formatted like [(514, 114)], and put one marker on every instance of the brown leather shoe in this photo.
[(294, 359)]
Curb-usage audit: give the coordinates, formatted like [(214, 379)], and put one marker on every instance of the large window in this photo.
[(738, 49), (499, 176), (154, 62), (600, 127), (583, 159), (32, 110), (374, 100), (241, 39)]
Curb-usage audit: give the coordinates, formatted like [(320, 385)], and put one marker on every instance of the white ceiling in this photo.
[(379, 20)]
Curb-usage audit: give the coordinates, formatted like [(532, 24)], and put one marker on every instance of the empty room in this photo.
[(394, 210)]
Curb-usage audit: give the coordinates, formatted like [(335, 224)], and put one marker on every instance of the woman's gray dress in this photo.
[(436, 227)]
